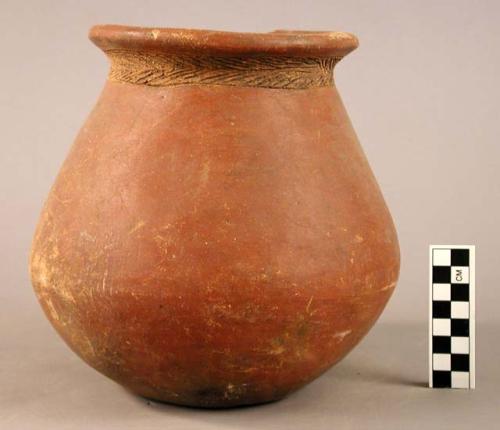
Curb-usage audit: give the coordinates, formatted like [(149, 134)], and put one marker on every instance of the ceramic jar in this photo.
[(215, 236)]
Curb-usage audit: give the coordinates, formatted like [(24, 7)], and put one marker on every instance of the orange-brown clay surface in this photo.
[(215, 243)]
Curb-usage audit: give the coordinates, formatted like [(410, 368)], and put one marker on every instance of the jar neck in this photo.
[(173, 69), (170, 57)]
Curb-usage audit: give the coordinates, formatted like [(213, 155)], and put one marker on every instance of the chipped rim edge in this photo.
[(279, 42)]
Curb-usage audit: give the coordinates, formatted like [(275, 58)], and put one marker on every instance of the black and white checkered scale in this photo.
[(451, 319)]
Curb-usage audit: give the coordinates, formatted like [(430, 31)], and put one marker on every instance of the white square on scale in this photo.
[(459, 379), (441, 361), (459, 275), (441, 257), (459, 345), (441, 292), (460, 310), (441, 327)]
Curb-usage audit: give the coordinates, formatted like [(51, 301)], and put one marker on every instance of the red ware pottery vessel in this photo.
[(215, 236)]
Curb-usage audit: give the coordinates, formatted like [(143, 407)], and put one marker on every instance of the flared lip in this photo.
[(279, 42)]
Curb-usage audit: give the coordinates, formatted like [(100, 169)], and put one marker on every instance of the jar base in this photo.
[(206, 401)]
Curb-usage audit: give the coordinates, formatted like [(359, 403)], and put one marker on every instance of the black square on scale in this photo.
[(459, 292), (459, 327), (459, 257), (460, 362), (441, 379), (441, 274), (441, 344), (441, 309)]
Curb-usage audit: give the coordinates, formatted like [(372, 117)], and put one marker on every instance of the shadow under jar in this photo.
[(215, 236)]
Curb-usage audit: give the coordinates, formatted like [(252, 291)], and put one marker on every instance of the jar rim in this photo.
[(279, 42)]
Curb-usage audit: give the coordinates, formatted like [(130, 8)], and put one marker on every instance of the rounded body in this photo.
[(214, 245)]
